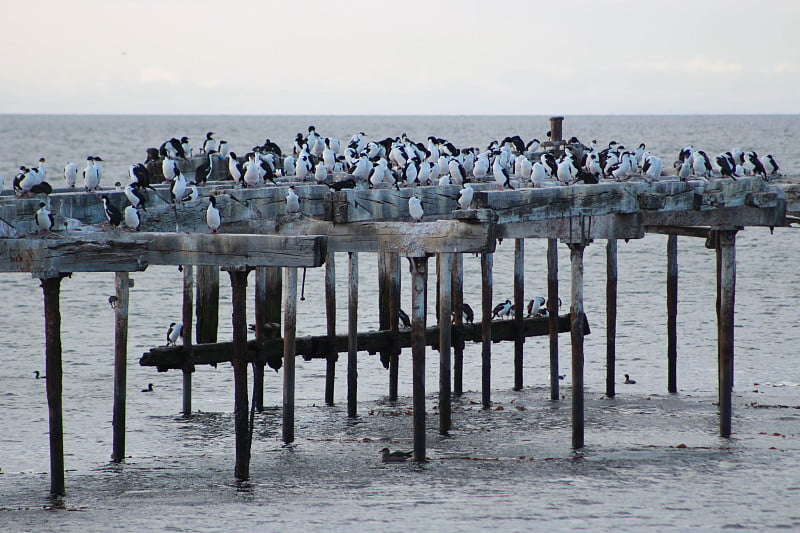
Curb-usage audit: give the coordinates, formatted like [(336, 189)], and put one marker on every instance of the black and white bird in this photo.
[(169, 167), (134, 194), (112, 212), (138, 173), (132, 218), (91, 175), (726, 166), (415, 208), (405, 322), (186, 146), (465, 196), (501, 175), (292, 201), (204, 169), (213, 218), (178, 187), (235, 168), (44, 218), (209, 144), (701, 164), (758, 166), (174, 333), (502, 310), (469, 314), (771, 166), (536, 306), (70, 174)]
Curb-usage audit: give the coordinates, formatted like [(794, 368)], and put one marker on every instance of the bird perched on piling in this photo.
[(112, 212), (465, 196), (771, 166), (536, 306), (502, 310), (44, 218), (174, 333), (415, 208), (209, 144), (70, 173), (91, 175), (169, 167), (134, 194), (213, 218), (132, 218), (292, 201), (178, 187), (394, 457), (405, 322)]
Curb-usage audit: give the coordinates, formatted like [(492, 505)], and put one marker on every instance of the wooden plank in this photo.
[(330, 320), (239, 362), (318, 347), (186, 334), (726, 254), (123, 251), (519, 308), (628, 226)]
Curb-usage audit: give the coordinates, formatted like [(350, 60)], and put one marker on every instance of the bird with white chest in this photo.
[(415, 208), (174, 333), (43, 218), (131, 217), (213, 218), (70, 174), (465, 196), (292, 201), (178, 187)]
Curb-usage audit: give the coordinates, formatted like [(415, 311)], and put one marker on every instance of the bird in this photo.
[(112, 212), (234, 168), (758, 166), (138, 173), (726, 166), (149, 388), (465, 196), (39, 375), (415, 208), (70, 173), (112, 301), (501, 175), (174, 333), (629, 381), (771, 165), (292, 201), (169, 167), (209, 144), (213, 218), (404, 320), (132, 218), (469, 314), (186, 146), (394, 457), (536, 306), (347, 183), (91, 175), (204, 169), (178, 187), (44, 218), (134, 195), (321, 173), (503, 309)]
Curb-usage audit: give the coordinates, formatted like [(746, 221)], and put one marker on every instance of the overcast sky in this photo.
[(400, 57)]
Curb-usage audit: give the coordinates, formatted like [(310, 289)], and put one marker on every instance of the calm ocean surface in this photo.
[(652, 460)]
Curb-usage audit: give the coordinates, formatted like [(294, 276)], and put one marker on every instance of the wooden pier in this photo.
[(258, 235)]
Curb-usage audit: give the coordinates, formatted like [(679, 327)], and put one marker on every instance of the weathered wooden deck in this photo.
[(258, 234)]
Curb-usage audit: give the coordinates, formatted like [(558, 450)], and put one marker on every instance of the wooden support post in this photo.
[(611, 316), (519, 308), (445, 272), (556, 128), (393, 265), (726, 254), (122, 285), (383, 302), (458, 324), (261, 297), (207, 311), (330, 315), (552, 311), (274, 295), (672, 313), (487, 261), (51, 287), (186, 334), (577, 322), (419, 286), (239, 363), (352, 336), (289, 336)]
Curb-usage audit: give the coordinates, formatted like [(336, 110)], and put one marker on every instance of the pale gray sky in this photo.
[(403, 57)]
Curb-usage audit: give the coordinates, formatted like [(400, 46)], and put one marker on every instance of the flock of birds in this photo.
[(391, 162)]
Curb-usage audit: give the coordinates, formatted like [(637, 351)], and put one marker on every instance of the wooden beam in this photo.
[(519, 308), (122, 251), (458, 324), (186, 334), (726, 253), (239, 360)]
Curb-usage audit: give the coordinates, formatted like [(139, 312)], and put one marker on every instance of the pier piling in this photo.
[(419, 287), (393, 265), (726, 269), (352, 335), (289, 336), (444, 269), (239, 363), (261, 305), (330, 317), (672, 313), (611, 316), (51, 287), (487, 261), (122, 286), (207, 310), (577, 322), (186, 334), (552, 311), (519, 308), (458, 324)]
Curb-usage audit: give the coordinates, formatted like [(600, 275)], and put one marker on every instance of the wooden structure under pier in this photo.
[(258, 235)]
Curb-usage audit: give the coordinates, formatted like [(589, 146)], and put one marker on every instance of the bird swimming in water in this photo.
[(131, 216), (394, 457), (112, 212), (629, 381), (292, 201), (44, 218), (149, 388), (415, 208), (174, 333), (213, 218), (112, 301), (38, 375)]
